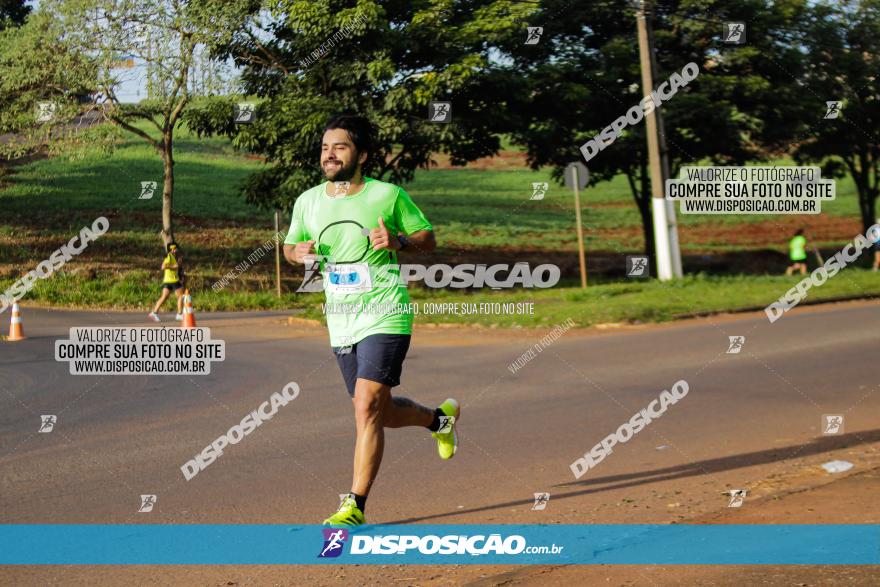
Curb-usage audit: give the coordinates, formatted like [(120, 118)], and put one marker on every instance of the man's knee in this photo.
[(370, 401)]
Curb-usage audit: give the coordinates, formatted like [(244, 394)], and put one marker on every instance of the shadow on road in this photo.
[(816, 446)]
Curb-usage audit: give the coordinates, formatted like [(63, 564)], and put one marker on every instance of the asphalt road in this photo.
[(750, 419)]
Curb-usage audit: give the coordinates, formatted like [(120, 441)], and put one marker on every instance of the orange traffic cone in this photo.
[(15, 330), (189, 318)]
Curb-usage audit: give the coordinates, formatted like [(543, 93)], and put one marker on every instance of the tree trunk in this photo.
[(641, 193), (648, 229), (168, 185), (869, 198), (867, 193), (867, 206)]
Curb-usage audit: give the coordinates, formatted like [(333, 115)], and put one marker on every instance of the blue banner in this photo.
[(630, 544)]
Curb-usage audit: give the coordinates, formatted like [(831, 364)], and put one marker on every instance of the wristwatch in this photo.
[(404, 242)]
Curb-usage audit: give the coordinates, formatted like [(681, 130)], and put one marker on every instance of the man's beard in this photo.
[(343, 173)]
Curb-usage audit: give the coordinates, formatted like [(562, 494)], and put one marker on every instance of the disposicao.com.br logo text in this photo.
[(453, 544)]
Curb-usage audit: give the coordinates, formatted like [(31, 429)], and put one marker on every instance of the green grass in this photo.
[(471, 208), (474, 208), (47, 201), (634, 301), (622, 302), (207, 175), (138, 290)]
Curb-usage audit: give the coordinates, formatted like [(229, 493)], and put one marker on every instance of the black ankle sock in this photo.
[(435, 425), (360, 500)]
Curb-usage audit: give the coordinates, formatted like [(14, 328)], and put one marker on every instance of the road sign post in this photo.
[(576, 177)]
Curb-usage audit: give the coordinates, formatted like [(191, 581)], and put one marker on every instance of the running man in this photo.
[(172, 281), (797, 252), (355, 226)]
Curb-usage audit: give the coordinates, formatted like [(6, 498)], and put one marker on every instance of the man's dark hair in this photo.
[(358, 128), (800, 232)]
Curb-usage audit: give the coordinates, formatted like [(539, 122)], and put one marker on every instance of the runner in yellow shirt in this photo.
[(172, 281)]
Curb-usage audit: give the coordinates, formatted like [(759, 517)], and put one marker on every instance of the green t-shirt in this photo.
[(796, 248), (338, 227)]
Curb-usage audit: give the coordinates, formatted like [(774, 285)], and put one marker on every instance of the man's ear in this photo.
[(362, 157)]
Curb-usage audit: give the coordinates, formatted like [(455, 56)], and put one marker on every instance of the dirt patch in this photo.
[(213, 252), (133, 220), (504, 160), (839, 500), (615, 204), (773, 232)]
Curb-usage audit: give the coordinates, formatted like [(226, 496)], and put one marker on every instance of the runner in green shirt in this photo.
[(797, 253), (352, 228)]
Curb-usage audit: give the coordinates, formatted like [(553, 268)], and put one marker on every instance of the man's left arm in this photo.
[(413, 230), (422, 241), (419, 240)]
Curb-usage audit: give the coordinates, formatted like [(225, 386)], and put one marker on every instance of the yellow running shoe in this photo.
[(447, 439), (348, 514)]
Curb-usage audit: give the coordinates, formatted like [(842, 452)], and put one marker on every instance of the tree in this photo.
[(584, 74), (13, 13), (164, 36), (305, 61), (38, 67), (843, 56)]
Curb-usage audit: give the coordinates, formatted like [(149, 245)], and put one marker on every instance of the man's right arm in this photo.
[(295, 253), (288, 254), (295, 245)]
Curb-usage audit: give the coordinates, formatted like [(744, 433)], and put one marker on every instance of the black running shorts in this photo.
[(378, 357)]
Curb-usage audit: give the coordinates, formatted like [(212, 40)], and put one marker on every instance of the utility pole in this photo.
[(663, 213), (671, 220)]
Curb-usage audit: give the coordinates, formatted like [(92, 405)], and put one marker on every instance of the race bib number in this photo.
[(348, 278)]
